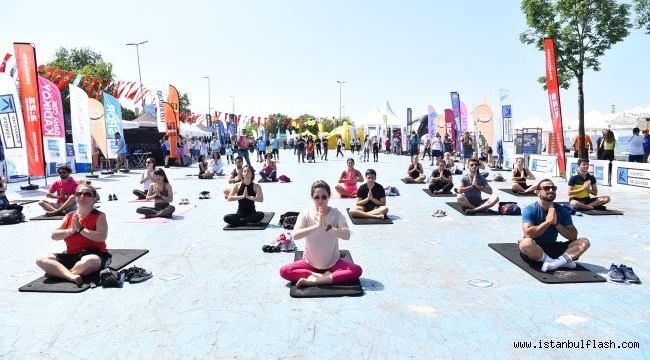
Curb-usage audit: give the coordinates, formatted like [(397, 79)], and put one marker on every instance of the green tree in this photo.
[(184, 105), (82, 62), (582, 31), (642, 9)]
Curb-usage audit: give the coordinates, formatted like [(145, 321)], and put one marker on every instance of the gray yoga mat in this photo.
[(352, 288)]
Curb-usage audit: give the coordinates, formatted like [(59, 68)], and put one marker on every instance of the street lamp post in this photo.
[(209, 107), (340, 105), (233, 114), (137, 51)]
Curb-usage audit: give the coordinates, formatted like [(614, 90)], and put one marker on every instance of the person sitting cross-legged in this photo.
[(470, 189), (581, 186), (371, 199), (63, 191), (246, 193), (269, 170), (519, 177), (542, 221), (161, 192), (347, 186), (441, 181), (415, 172)]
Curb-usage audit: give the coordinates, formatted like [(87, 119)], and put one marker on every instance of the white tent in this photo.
[(635, 117), (373, 124)]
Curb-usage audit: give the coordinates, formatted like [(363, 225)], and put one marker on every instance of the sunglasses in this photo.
[(472, 165), (84, 194), (549, 188), (322, 197)]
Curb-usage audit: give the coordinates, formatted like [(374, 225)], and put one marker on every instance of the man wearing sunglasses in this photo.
[(542, 221), (63, 191), (471, 186), (581, 186), (371, 199)]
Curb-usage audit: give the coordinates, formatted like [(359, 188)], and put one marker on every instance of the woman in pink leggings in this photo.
[(321, 227)]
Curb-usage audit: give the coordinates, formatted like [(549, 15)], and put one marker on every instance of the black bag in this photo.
[(288, 220), (111, 278), (11, 216)]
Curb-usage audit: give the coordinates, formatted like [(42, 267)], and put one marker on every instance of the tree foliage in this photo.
[(582, 31), (642, 9)]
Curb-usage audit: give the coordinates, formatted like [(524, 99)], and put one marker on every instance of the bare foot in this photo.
[(77, 279), (469, 211), (303, 283), (53, 213)]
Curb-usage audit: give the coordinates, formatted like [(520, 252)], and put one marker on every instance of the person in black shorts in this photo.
[(371, 199), (542, 221), (581, 186)]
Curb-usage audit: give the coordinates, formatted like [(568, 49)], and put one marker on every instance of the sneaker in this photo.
[(110, 197), (114, 197), (135, 274), (629, 274), (616, 274)]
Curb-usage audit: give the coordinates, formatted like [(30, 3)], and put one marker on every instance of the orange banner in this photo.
[(172, 128), (554, 103), (26, 63)]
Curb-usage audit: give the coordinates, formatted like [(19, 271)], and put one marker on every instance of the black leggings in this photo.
[(441, 185), (240, 220)]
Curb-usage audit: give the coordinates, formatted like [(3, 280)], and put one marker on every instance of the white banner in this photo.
[(160, 94), (12, 128), (80, 122)]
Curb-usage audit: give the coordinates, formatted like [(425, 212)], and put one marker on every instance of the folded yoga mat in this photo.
[(580, 274), (121, 258), (362, 221), (438, 195), (596, 212), (179, 210), (511, 192), (254, 226), (456, 206), (351, 288), (43, 217)]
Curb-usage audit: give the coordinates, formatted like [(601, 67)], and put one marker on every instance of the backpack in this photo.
[(499, 178), (284, 179), (288, 220), (509, 208), (11, 216), (111, 278)]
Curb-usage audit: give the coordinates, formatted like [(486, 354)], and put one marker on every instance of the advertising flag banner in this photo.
[(172, 128), (113, 120), (450, 127), (552, 85), (431, 125), (455, 107), (80, 123), (463, 117), (483, 118), (12, 128), (98, 124), (26, 61), (160, 99), (52, 121)]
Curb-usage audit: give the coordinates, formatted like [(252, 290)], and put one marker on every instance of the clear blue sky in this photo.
[(286, 55)]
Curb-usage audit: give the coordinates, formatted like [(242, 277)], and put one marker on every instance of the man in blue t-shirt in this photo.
[(542, 221), (471, 186)]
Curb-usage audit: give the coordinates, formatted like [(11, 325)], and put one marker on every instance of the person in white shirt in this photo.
[(215, 165), (635, 146)]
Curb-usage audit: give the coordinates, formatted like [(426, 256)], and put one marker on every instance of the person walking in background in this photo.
[(121, 153), (608, 145), (635, 146)]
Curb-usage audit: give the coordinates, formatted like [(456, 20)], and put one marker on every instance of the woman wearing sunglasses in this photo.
[(146, 179), (84, 232), (321, 226), (161, 192)]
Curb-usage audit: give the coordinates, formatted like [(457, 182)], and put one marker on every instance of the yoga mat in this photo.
[(43, 217), (121, 258), (178, 210), (499, 169), (22, 202), (595, 212), (580, 274), (426, 190), (361, 221), (352, 288), (456, 206), (512, 192), (411, 183), (254, 226)]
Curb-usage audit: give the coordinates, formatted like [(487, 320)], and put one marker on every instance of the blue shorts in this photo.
[(467, 154)]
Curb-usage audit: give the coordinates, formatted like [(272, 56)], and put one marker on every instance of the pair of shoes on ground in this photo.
[(622, 273), (184, 202), (439, 213), (271, 248), (112, 197), (204, 195), (136, 274)]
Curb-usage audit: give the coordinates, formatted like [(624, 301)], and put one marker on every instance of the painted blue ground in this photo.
[(230, 303)]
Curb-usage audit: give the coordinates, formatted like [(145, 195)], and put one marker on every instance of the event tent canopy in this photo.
[(376, 118)]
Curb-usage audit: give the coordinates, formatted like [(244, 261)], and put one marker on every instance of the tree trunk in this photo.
[(582, 151)]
